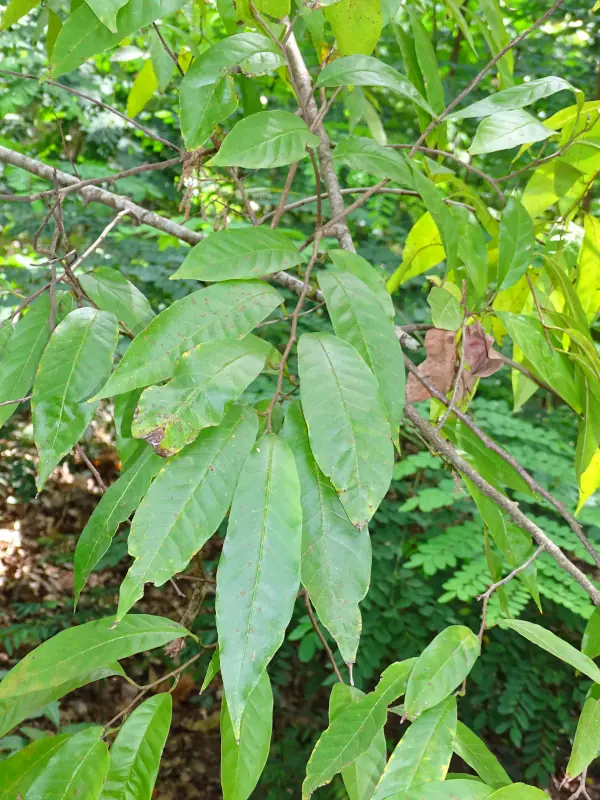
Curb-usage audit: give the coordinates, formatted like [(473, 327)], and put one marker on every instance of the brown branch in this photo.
[(168, 50), (322, 638), (18, 400), (82, 455)]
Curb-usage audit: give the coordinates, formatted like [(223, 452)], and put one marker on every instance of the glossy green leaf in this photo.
[(442, 216), (517, 97), (15, 10), (454, 6), (508, 129), (214, 665), (357, 453), (441, 668), (83, 35), (446, 312), (493, 28), (259, 570), (239, 253), (368, 71), (106, 11), (115, 506), (590, 644), (110, 291), (447, 790), (375, 159), (424, 752), (406, 43), (135, 753), (475, 753), (76, 770), (19, 771), (516, 242), (86, 647), (588, 267), (472, 250), (336, 558), (352, 731), (518, 791), (74, 365), (243, 763), (265, 140), (186, 504), (359, 266), (556, 646), (356, 25), (586, 745), (230, 309), (428, 64)]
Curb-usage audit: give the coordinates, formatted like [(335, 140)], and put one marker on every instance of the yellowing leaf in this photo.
[(588, 268), (422, 251), (356, 25), (589, 481), (144, 87)]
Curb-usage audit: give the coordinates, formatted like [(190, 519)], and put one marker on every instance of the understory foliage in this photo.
[(337, 461)]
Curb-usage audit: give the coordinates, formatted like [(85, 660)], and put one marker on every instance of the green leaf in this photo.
[(76, 770), (239, 253), (162, 63), (588, 267), (454, 7), (472, 249), (262, 554), (83, 35), (346, 261), (214, 666), (115, 506), (553, 644), (356, 25), (406, 43), (447, 790), (517, 97), (441, 668), (368, 71), (336, 558), (508, 129), (230, 309), (357, 453), (516, 242), (19, 771), (424, 752), (518, 791), (74, 365), (446, 312), (265, 140), (54, 28), (375, 159), (106, 11), (186, 504), (143, 90), (586, 746), (422, 251), (352, 731), (15, 10), (442, 216), (590, 644), (493, 29), (427, 62), (243, 763), (110, 291), (135, 754), (86, 647), (475, 753), (205, 382)]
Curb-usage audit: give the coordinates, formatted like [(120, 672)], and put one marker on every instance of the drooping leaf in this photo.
[(586, 745), (76, 770), (427, 61), (472, 250), (475, 753), (357, 453), (359, 266), (446, 312), (242, 763), (143, 90), (19, 771), (239, 253), (116, 505), (493, 28), (441, 668), (230, 309), (590, 644), (261, 554), (422, 250), (517, 97), (447, 790), (518, 791), (555, 645), (135, 753), (363, 70), (265, 140), (106, 11), (424, 752), (438, 367), (356, 25), (444, 220), (15, 10), (369, 156), (162, 63), (186, 504), (588, 267), (214, 666), (508, 129), (74, 365), (407, 45), (336, 558), (110, 291), (516, 242)]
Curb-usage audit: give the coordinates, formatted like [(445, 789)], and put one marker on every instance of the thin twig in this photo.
[(18, 400), (319, 220), (244, 195), (91, 467), (461, 363), (168, 50), (279, 211), (539, 310), (322, 638), (95, 245)]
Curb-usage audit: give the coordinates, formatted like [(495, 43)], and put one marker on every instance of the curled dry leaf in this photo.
[(481, 360)]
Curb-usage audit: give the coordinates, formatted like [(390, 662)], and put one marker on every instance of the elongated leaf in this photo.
[(135, 754), (556, 646), (590, 644), (508, 129), (368, 71), (427, 60), (162, 63), (110, 291), (121, 500), (336, 558), (243, 763), (517, 97), (475, 753), (357, 453), (424, 752), (518, 791), (368, 156), (143, 90), (516, 242), (18, 772), (588, 267), (353, 730), (356, 25), (265, 140), (15, 10), (446, 312), (214, 666), (472, 249), (262, 554), (239, 253), (86, 647), (359, 266), (83, 35), (441, 668), (106, 11), (75, 364), (76, 770), (493, 29), (441, 214), (407, 47), (186, 504), (225, 310), (447, 790), (422, 251), (586, 746)]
